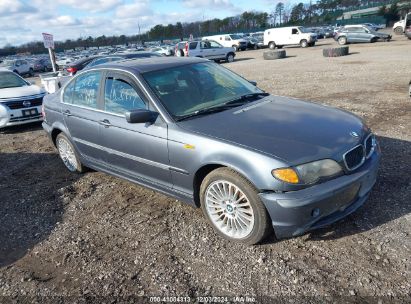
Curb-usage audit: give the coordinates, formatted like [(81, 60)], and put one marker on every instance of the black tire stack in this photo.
[(336, 52), (274, 54)]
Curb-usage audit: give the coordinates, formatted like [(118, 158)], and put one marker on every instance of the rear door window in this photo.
[(83, 91), (193, 45)]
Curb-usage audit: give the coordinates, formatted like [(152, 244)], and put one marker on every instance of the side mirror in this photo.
[(254, 83), (141, 116)]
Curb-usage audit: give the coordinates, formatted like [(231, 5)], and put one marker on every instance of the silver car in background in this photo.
[(255, 163)]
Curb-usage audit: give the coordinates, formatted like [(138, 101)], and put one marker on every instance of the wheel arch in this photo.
[(206, 169)]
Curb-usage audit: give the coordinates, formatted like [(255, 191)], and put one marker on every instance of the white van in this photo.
[(293, 35), (229, 40)]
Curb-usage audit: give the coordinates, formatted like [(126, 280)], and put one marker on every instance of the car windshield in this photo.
[(191, 89), (11, 80)]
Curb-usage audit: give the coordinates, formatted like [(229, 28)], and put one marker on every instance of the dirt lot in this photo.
[(96, 235)]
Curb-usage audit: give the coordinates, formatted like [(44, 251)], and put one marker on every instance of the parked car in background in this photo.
[(162, 50), (123, 56), (179, 48), (42, 65), (294, 35), (252, 44), (400, 26), (198, 132), (78, 65), (230, 40), (18, 66), (20, 101), (209, 49), (259, 37), (359, 33), (64, 61)]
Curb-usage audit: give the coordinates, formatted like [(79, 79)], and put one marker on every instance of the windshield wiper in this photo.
[(227, 105), (246, 98), (204, 112)]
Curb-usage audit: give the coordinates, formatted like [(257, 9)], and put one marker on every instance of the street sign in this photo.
[(49, 44), (48, 40)]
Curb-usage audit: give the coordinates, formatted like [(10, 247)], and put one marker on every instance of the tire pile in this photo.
[(271, 55), (336, 52)]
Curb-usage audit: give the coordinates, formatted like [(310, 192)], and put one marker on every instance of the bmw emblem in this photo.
[(26, 103), (354, 134)]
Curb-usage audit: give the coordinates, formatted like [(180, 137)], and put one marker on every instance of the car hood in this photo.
[(20, 92), (291, 130)]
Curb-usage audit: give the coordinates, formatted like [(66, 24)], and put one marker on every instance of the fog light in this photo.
[(315, 212)]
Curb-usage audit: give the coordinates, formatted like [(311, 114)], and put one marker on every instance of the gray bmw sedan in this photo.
[(255, 163)]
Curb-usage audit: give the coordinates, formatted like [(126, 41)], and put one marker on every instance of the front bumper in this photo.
[(10, 117), (294, 213)]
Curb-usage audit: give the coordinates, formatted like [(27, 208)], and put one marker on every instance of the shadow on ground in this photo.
[(30, 207)]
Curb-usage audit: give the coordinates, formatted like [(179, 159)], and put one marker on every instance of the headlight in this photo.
[(308, 173), (312, 172)]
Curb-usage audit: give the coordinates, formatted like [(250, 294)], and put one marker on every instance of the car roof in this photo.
[(151, 64)]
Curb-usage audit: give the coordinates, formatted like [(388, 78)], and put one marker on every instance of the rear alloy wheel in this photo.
[(271, 45), (230, 57), (303, 43), (68, 154), (342, 40), (232, 206)]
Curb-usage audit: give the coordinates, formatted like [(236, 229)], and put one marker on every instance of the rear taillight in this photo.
[(186, 49), (72, 70)]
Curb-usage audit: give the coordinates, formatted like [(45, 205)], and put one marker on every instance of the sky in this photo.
[(23, 21)]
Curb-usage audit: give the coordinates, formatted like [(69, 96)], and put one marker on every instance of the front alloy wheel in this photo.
[(230, 58), (229, 209), (232, 206)]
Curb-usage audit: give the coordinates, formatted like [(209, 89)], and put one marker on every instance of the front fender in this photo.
[(189, 152)]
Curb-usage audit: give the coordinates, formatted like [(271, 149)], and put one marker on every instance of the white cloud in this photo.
[(12, 7), (211, 4), (137, 9)]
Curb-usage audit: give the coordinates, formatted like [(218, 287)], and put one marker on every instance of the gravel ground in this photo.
[(90, 235)]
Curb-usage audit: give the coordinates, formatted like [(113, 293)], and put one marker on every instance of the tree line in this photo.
[(321, 12)]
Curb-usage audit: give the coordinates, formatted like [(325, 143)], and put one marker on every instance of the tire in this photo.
[(236, 49), (398, 30), (279, 46), (342, 40), (409, 88), (68, 154), (271, 55), (229, 57), (336, 52), (248, 219), (373, 40), (271, 45), (31, 72), (311, 44), (255, 47), (303, 43)]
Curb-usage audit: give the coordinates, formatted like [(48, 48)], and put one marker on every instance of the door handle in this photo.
[(105, 123), (67, 113)]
